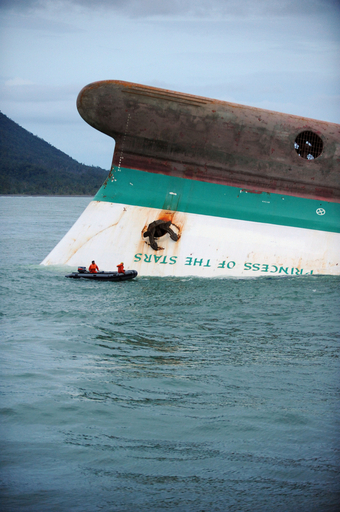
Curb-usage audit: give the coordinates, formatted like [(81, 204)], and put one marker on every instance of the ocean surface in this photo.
[(189, 395)]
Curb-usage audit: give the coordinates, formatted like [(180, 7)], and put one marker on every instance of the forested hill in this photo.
[(29, 165)]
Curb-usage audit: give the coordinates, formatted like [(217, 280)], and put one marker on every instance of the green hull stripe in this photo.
[(138, 188)]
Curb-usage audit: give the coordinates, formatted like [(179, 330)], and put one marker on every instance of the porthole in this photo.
[(308, 145)]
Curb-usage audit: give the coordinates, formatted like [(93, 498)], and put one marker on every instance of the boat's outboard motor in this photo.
[(81, 270)]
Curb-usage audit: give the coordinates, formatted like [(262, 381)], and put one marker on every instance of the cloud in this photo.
[(195, 8), (278, 54), (21, 5), (20, 90), (17, 81)]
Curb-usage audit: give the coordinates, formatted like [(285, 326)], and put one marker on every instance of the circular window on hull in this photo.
[(308, 145)]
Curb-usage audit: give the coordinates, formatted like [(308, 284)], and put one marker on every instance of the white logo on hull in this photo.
[(320, 211)]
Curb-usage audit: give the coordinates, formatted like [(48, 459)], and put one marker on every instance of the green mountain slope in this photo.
[(29, 165)]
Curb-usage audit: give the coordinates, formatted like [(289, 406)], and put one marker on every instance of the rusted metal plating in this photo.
[(192, 137)]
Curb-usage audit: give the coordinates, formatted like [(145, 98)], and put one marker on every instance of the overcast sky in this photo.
[(280, 55)]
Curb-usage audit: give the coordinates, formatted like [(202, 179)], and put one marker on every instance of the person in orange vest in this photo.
[(93, 268), (121, 268)]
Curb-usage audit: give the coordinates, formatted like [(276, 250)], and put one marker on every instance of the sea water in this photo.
[(162, 394)]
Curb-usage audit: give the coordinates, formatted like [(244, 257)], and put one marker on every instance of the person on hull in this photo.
[(93, 268)]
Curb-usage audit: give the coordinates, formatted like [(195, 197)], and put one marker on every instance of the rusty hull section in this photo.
[(187, 136)]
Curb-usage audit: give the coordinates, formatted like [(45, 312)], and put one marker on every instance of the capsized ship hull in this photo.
[(207, 188)]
